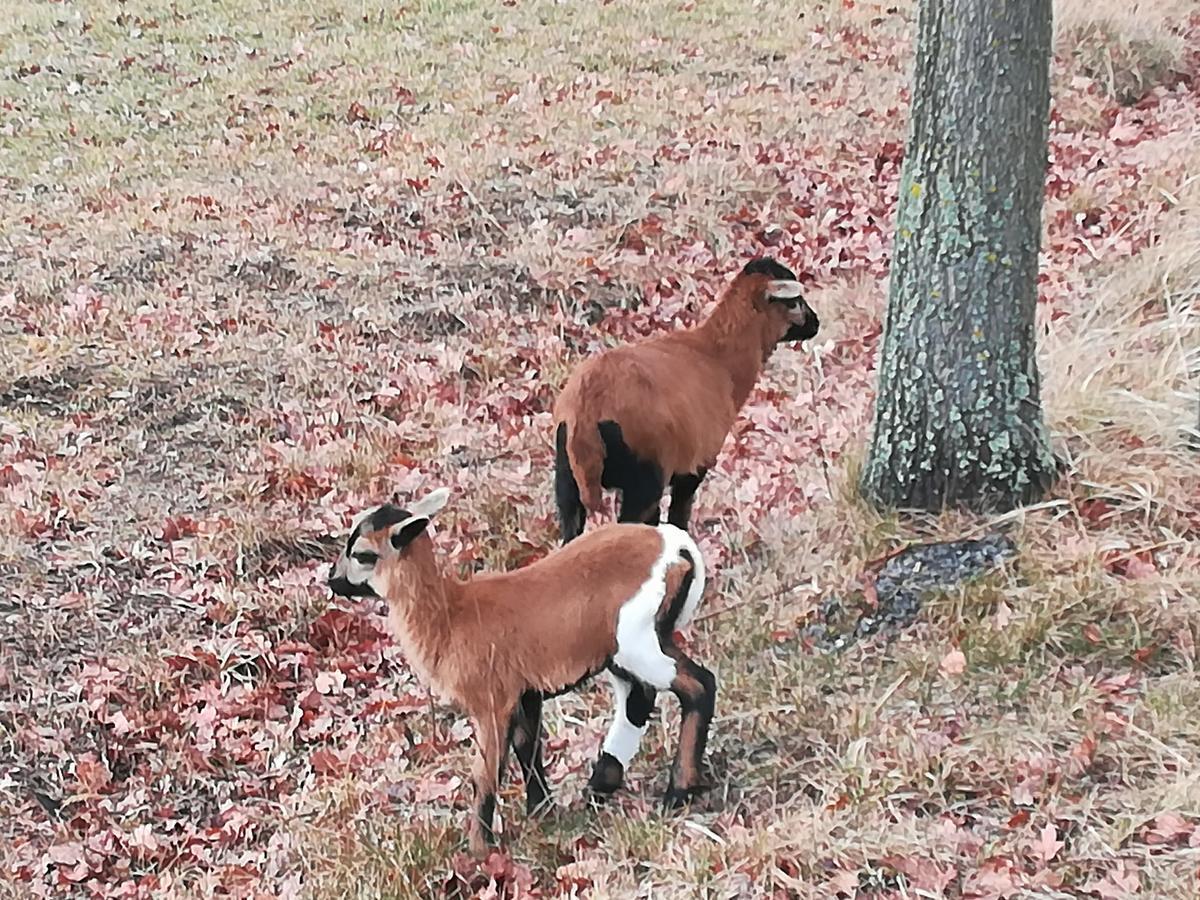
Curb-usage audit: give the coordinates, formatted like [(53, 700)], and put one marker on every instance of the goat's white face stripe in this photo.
[(638, 650), (623, 737), (355, 571)]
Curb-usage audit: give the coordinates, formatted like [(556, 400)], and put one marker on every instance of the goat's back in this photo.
[(553, 622), (673, 401)]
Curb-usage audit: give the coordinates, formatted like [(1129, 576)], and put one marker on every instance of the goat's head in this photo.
[(379, 538), (775, 291)]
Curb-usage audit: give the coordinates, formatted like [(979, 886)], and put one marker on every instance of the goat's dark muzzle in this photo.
[(344, 587), (802, 331)]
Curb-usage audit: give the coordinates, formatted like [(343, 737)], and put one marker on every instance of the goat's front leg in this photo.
[(491, 732)]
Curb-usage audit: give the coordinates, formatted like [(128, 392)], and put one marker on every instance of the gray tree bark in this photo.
[(958, 419)]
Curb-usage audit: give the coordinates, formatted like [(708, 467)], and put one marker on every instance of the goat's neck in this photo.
[(423, 602), (739, 340)]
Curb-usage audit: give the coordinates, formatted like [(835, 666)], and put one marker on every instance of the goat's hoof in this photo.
[(606, 776), (677, 798)]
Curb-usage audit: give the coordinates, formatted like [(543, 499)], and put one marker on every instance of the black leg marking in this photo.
[(607, 775), (640, 704), (487, 813), (639, 481), (683, 493), (571, 514), (527, 744)]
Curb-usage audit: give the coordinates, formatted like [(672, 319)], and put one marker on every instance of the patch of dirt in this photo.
[(177, 438), (902, 586), (267, 270), (272, 554), (51, 393), (512, 287), (152, 263)]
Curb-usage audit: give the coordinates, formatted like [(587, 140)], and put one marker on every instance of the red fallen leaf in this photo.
[(197, 658), (993, 880), (336, 629), (1143, 654), (1141, 565), (1084, 751), (220, 611), (92, 773), (356, 113), (325, 762), (1092, 634), (871, 594), (497, 865), (1119, 884), (178, 527), (953, 663), (1169, 827), (1019, 818), (1095, 509), (923, 874)]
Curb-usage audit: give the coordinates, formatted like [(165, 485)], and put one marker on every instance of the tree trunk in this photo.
[(958, 418)]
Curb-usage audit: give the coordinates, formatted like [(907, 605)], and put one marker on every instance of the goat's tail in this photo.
[(585, 454)]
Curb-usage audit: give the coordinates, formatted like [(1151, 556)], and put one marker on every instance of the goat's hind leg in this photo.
[(683, 494), (696, 688), (633, 702), (527, 744), (571, 512), (640, 481)]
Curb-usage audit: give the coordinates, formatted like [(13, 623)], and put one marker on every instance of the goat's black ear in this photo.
[(404, 533)]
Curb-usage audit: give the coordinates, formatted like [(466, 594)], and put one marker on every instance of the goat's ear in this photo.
[(780, 289), (431, 503), (403, 533)]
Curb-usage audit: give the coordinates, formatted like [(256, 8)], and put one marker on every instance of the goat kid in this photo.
[(499, 643), (639, 417)]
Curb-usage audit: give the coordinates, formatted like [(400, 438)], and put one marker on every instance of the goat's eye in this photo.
[(367, 559)]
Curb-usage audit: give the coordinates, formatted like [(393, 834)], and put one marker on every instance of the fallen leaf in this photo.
[(953, 663), (1047, 844)]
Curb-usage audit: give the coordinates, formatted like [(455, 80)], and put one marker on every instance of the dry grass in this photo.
[(220, 316), (1126, 47)]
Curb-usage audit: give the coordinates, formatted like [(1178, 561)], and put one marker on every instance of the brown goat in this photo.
[(499, 643), (639, 417)]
